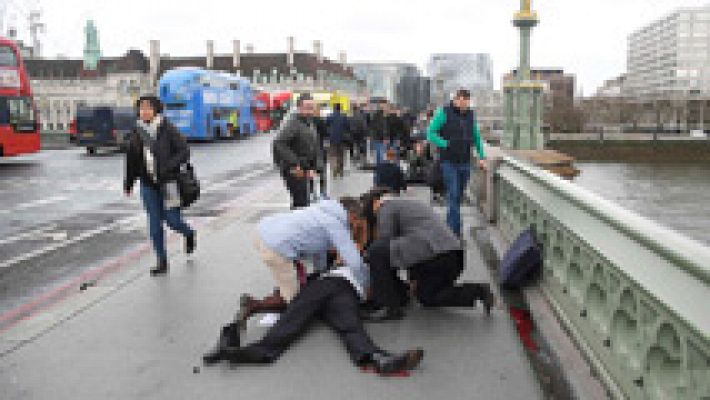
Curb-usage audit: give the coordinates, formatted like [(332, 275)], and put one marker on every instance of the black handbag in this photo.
[(188, 185)]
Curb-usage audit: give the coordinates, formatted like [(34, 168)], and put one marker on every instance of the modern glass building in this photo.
[(452, 71)]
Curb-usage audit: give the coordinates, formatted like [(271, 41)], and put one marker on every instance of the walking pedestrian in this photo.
[(155, 153), (358, 131), (338, 132), (378, 132), (454, 131), (297, 151), (396, 131)]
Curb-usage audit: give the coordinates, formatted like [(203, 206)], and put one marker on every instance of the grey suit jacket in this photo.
[(417, 234)]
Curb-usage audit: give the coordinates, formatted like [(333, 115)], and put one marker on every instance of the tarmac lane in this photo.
[(63, 213), (134, 336)]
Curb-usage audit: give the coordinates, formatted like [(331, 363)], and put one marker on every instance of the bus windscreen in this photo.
[(17, 112), (7, 57)]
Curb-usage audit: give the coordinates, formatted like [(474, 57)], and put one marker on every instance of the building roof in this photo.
[(136, 61)]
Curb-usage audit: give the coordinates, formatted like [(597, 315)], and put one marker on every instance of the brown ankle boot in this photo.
[(250, 306)]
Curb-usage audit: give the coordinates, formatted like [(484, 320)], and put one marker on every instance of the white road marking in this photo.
[(76, 239), (36, 203), (28, 234), (227, 183), (120, 224)]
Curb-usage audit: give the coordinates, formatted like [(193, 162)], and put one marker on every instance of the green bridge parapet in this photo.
[(634, 295)]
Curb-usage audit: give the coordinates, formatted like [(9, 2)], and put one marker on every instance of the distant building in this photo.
[(671, 56), (613, 87), (413, 93), (488, 105), (452, 71), (560, 89), (62, 85), (382, 79)]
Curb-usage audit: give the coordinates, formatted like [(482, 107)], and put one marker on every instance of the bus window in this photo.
[(17, 111), (7, 57)]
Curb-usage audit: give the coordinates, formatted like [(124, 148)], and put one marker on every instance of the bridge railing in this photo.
[(634, 295)]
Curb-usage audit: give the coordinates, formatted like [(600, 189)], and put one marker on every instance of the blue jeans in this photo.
[(157, 213), (379, 147), (455, 179)]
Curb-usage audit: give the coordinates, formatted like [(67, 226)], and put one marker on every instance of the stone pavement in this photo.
[(130, 336)]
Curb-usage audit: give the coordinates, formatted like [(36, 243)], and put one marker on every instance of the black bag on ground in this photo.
[(188, 185), (522, 262)]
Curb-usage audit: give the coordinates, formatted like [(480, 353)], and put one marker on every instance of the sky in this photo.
[(584, 37)]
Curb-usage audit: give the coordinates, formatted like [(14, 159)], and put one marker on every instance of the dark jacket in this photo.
[(417, 233), (169, 151), (338, 128), (296, 144), (390, 175), (396, 128), (454, 132), (358, 126), (378, 126)]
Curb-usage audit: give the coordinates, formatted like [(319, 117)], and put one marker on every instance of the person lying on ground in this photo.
[(332, 296)]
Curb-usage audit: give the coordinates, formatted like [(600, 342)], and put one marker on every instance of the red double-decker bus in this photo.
[(261, 111), (19, 125)]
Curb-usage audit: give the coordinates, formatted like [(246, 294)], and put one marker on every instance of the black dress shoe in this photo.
[(488, 299), (386, 364), (228, 338), (190, 243), (160, 269), (483, 293), (383, 314)]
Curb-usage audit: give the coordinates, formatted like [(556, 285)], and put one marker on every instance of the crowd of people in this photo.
[(342, 261), (371, 255)]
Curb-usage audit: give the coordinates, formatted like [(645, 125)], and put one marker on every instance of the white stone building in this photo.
[(671, 55)]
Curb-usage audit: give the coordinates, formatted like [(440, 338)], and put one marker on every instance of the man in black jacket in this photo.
[(358, 128), (396, 130), (297, 150), (378, 133)]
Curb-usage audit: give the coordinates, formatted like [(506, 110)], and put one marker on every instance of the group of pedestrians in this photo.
[(350, 260), (342, 261)]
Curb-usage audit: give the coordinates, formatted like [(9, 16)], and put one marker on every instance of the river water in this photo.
[(675, 195)]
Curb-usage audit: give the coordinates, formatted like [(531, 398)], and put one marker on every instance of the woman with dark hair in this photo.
[(156, 150)]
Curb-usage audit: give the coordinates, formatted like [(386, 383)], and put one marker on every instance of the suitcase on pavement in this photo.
[(522, 262)]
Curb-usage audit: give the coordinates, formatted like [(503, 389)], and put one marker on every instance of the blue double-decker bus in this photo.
[(207, 105)]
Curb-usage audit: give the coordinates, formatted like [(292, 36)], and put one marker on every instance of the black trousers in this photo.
[(435, 280), (334, 301), (298, 188), (388, 290)]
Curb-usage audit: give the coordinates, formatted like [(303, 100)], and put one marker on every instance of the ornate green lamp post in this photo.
[(523, 95)]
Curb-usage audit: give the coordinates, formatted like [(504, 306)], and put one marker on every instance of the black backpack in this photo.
[(522, 262)]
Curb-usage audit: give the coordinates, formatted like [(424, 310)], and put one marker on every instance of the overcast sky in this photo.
[(587, 38)]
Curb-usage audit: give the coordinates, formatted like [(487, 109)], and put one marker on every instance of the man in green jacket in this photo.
[(454, 131)]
